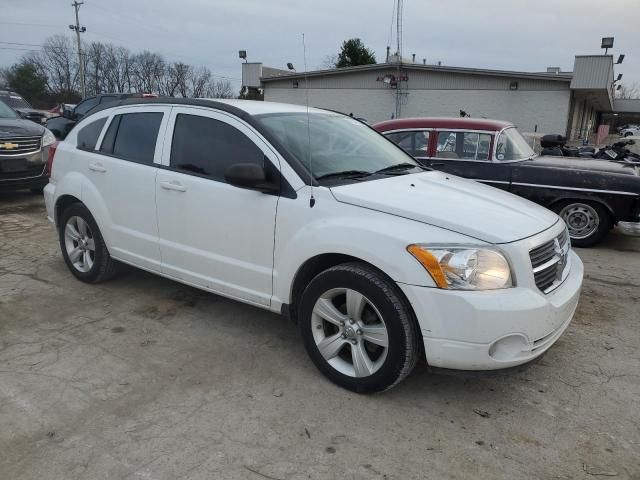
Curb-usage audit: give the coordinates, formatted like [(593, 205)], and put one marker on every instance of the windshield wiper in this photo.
[(344, 174), (399, 166)]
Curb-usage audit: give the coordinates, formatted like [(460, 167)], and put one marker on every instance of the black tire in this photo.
[(104, 267), (603, 219), (401, 326)]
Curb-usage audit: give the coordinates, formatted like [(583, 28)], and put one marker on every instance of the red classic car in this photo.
[(591, 195)]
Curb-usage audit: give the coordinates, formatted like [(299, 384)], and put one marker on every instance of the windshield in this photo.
[(6, 112), (338, 143), (15, 101), (510, 145)]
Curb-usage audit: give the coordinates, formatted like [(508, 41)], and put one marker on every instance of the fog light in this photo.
[(509, 348)]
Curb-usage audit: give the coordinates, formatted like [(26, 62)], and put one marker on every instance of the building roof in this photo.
[(437, 122), (561, 77)]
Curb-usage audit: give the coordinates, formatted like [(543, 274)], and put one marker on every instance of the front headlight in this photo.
[(464, 267), (48, 138)]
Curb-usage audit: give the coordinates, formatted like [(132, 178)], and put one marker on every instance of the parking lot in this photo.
[(142, 377)]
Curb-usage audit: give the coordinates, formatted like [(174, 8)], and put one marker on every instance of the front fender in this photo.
[(332, 227)]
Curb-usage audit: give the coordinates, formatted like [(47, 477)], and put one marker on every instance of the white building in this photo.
[(570, 103)]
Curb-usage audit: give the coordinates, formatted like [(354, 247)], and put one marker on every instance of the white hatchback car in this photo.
[(317, 216)]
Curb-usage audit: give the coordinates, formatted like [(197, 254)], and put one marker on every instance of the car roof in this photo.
[(443, 122)]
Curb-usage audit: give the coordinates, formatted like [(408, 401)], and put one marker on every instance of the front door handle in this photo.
[(173, 186), (97, 167)]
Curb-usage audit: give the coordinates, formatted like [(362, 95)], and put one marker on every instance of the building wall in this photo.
[(548, 109)]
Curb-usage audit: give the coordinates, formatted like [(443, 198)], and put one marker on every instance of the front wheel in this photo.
[(588, 223), (358, 329)]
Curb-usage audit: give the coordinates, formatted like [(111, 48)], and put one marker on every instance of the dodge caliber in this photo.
[(312, 214)]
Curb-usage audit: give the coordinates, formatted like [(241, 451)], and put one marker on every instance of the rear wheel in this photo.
[(358, 329), (588, 223), (83, 247)]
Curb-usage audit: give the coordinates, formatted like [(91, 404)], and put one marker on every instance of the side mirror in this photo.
[(250, 176)]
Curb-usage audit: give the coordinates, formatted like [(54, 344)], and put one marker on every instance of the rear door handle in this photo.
[(97, 167), (173, 186)]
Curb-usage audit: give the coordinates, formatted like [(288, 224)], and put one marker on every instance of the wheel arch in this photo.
[(321, 262), (584, 198), (62, 203)]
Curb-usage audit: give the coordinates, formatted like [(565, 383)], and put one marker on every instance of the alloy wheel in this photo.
[(79, 244), (349, 332)]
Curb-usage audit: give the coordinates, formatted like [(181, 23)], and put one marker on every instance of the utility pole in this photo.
[(398, 58), (78, 29)]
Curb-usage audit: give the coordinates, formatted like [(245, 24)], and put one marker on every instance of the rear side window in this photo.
[(206, 146), (415, 143), (464, 145), (133, 136), (88, 136)]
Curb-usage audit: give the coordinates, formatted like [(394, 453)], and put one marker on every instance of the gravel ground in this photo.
[(142, 377)]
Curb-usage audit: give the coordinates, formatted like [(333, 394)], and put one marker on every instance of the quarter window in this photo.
[(415, 143), (133, 136), (206, 146), (88, 136)]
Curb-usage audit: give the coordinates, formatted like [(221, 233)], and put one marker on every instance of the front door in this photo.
[(213, 234), (468, 154)]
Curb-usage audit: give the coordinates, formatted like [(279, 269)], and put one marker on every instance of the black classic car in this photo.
[(24, 152), (591, 195)]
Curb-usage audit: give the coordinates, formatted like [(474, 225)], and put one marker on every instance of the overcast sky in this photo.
[(502, 34)]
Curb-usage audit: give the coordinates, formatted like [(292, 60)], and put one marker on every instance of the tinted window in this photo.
[(414, 143), (207, 147), (133, 136), (88, 136), (83, 107)]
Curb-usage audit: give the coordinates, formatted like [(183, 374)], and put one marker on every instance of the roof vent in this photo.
[(555, 70)]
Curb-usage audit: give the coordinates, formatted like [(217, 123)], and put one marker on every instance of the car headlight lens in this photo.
[(48, 138), (464, 267)]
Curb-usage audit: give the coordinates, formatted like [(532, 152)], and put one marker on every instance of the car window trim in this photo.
[(269, 152)]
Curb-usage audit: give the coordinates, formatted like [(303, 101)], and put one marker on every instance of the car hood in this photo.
[(451, 202), (10, 127), (590, 164)]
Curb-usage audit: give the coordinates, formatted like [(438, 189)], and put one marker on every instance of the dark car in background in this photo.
[(61, 126), (591, 195), (20, 105), (24, 152)]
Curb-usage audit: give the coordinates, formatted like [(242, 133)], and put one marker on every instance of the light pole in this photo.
[(78, 29)]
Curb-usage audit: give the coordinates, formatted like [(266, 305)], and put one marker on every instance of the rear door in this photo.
[(123, 171), (213, 234), (468, 154)]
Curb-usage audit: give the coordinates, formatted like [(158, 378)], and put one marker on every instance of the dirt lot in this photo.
[(142, 377)]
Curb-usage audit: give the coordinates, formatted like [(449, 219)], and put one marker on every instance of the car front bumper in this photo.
[(489, 330), (34, 174)]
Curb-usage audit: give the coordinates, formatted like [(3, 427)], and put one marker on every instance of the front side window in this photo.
[(415, 143), (133, 136), (88, 135), (206, 146), (510, 145), (328, 144), (463, 145)]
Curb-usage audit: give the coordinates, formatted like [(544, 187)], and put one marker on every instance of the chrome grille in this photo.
[(19, 145), (550, 262)]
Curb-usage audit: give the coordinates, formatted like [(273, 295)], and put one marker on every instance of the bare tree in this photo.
[(329, 61), (629, 91), (96, 68), (200, 79), (117, 69), (220, 89), (148, 71)]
